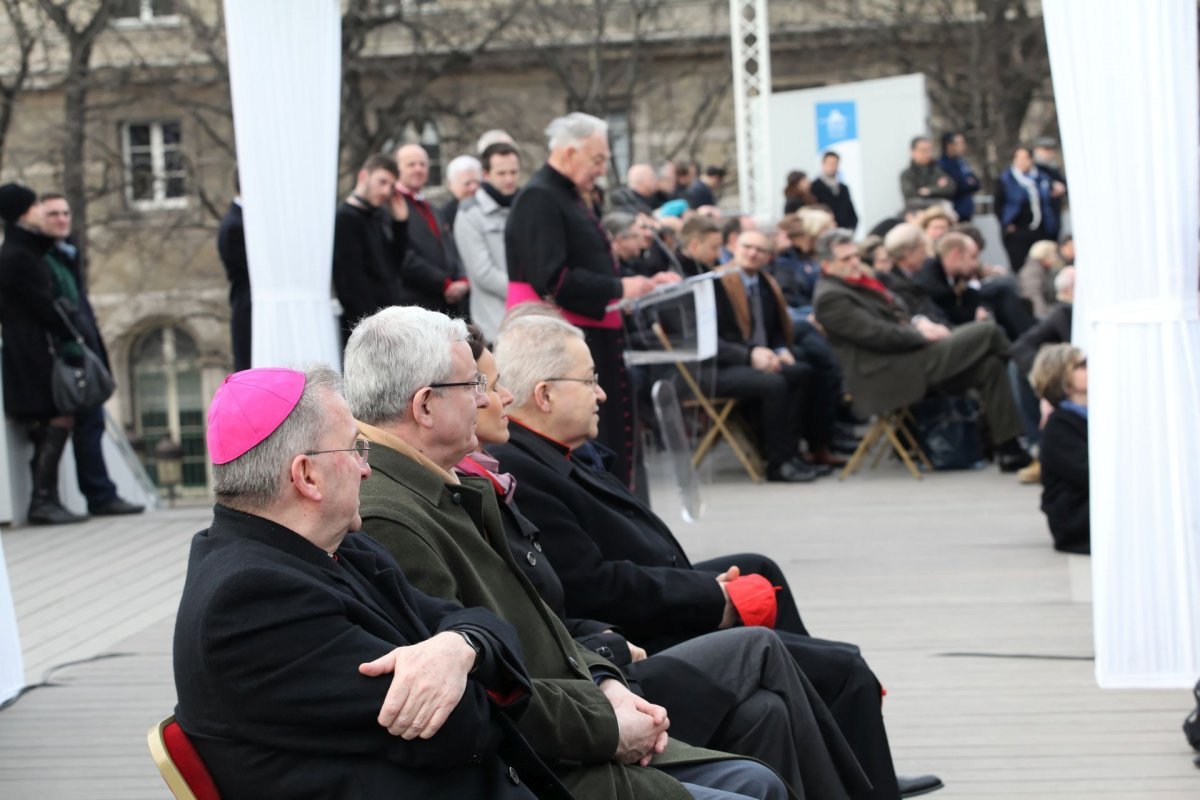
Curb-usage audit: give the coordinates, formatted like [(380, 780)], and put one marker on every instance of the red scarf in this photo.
[(481, 465), (867, 282), (421, 206)]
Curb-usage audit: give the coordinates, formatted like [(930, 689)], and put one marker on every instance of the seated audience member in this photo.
[(831, 192), (700, 245), (630, 241), (892, 358), (686, 172), (936, 222), (908, 248), (1034, 279), (731, 229), (415, 389), (798, 192), (305, 664), (923, 179), (954, 163), (795, 391), (1055, 328), (795, 268), (479, 235), (1066, 250), (951, 280), (874, 254), (998, 288), (668, 183), (620, 562), (1060, 378)]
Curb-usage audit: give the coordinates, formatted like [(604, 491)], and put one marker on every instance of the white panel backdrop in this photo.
[(285, 79), (1125, 84)]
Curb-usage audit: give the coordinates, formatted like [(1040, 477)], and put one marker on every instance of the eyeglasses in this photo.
[(362, 448), (766, 251), (591, 382), (1081, 364), (480, 384)]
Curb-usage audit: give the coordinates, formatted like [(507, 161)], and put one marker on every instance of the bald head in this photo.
[(642, 179), (414, 166)]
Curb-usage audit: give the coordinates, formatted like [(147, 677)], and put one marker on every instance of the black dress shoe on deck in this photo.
[(116, 508), (914, 785), (791, 472)]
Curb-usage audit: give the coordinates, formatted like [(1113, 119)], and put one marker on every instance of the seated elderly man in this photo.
[(892, 359), (413, 384), (618, 561), (305, 664)]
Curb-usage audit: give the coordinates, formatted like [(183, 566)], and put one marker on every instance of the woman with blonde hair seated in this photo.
[(1060, 378)]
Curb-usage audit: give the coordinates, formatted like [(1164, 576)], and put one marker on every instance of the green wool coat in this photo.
[(432, 522)]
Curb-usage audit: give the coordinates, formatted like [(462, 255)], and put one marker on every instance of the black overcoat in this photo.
[(231, 246), (268, 639), (1065, 484), (27, 316)]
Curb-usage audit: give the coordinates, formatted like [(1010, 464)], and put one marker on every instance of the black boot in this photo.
[(44, 506)]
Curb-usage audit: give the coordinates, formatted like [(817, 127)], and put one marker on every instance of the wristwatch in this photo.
[(475, 645)]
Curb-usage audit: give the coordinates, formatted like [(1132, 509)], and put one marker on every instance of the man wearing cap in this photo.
[(28, 294), (413, 385), (305, 664)]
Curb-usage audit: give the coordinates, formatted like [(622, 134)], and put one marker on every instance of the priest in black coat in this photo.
[(558, 252), (305, 664)]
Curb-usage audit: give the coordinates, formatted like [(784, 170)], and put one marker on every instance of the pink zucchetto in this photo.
[(248, 408)]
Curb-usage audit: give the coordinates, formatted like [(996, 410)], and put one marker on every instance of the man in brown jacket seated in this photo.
[(891, 360)]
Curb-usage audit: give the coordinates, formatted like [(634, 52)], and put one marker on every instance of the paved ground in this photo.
[(981, 633)]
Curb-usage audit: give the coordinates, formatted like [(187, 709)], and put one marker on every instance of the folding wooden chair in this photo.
[(179, 763), (892, 428), (718, 411)]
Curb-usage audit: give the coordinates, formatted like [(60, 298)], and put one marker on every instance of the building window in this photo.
[(620, 143), (168, 401), (144, 12), (426, 134), (155, 171)]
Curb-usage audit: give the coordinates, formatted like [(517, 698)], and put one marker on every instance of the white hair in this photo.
[(573, 129), (461, 165), (392, 355), (529, 350), (1064, 281), (494, 136), (255, 479)]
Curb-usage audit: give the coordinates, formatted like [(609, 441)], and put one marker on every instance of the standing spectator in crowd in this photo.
[(700, 246), (757, 360), (830, 191), (668, 185), (1035, 279), (231, 246), (1060, 378), (432, 275), (1025, 205), (797, 193), (416, 389), (463, 176), (366, 262), (28, 294), (491, 137), (558, 250), (936, 222), (639, 195), (892, 358), (1046, 157), (795, 268), (923, 178), (954, 163), (305, 663), (479, 235), (88, 433), (704, 192), (909, 250), (686, 172)]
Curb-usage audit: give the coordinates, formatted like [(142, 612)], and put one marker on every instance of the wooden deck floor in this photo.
[(981, 633)]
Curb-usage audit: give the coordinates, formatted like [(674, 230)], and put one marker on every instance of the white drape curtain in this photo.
[(1125, 84), (285, 79), (12, 665)]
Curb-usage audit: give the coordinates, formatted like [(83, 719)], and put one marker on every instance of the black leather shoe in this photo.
[(116, 508), (914, 785), (1014, 462), (790, 472), (810, 466)]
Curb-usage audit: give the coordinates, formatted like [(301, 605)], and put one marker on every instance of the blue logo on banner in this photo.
[(836, 122)]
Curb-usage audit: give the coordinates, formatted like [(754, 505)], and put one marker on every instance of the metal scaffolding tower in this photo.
[(751, 47)]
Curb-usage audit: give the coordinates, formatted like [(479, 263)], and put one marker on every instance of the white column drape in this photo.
[(285, 80), (1125, 84)]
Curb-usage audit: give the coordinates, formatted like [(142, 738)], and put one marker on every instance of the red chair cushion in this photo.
[(189, 763)]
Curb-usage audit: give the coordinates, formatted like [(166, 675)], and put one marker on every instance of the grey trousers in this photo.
[(975, 356), (779, 718), (734, 779)]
